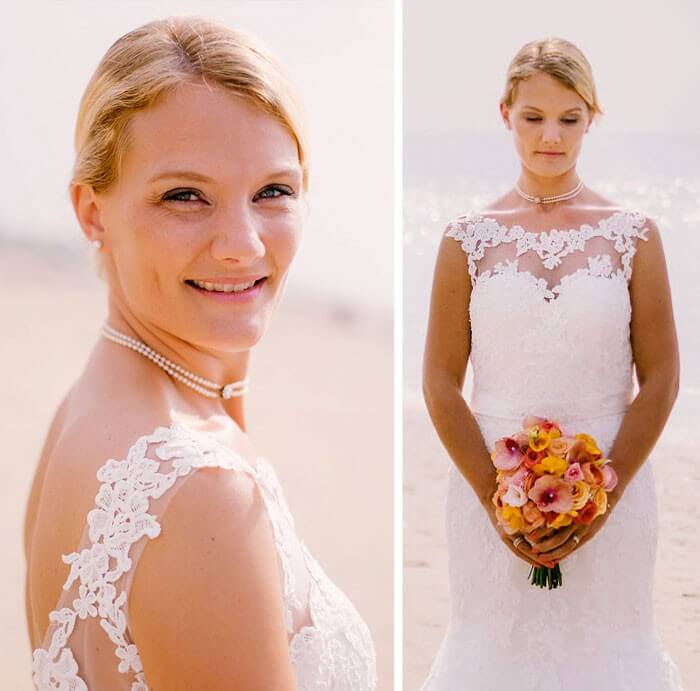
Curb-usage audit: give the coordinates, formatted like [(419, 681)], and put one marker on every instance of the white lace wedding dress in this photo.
[(88, 644), (550, 334)]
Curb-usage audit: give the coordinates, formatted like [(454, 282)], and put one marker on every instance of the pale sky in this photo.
[(645, 57)]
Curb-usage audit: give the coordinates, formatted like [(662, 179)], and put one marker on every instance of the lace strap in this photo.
[(477, 233), (120, 518), (468, 229)]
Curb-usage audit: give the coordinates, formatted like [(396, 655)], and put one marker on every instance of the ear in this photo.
[(87, 211), (505, 115)]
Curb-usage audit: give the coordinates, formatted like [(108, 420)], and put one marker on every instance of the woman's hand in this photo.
[(522, 549), (565, 541)]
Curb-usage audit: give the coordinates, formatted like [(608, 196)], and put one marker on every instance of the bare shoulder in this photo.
[(205, 605), (649, 258)]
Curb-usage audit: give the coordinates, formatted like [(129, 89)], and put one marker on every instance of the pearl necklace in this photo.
[(551, 198), (199, 384)]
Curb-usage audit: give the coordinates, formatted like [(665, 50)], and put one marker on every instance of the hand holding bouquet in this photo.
[(548, 478)]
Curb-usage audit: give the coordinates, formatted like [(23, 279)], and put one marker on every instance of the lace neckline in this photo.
[(518, 228)]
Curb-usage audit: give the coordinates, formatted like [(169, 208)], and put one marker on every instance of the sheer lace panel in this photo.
[(549, 260), (88, 643)]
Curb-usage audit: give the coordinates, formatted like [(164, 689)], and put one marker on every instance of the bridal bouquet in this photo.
[(547, 477)]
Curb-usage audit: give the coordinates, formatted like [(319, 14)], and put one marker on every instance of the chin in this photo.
[(549, 169), (232, 336)]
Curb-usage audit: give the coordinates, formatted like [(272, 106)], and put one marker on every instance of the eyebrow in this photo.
[(576, 109), (193, 175)]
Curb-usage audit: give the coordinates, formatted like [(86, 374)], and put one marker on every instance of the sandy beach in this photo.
[(320, 410), (426, 603)]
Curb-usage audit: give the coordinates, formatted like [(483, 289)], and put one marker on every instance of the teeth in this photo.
[(227, 288)]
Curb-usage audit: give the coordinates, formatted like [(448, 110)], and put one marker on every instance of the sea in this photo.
[(657, 173)]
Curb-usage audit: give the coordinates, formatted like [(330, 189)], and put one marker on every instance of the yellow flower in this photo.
[(554, 433), (581, 492), (591, 444), (601, 501), (561, 521), (551, 464), (513, 516), (538, 438)]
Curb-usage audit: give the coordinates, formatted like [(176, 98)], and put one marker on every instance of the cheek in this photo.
[(282, 243)]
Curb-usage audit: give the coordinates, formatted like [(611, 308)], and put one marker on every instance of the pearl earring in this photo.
[(97, 244)]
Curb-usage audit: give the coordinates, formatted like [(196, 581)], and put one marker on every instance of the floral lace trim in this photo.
[(121, 518), (477, 233), (599, 266)]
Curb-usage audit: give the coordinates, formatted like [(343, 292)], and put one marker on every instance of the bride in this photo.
[(190, 181), (540, 291)]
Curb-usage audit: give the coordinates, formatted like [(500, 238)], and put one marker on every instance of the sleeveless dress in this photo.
[(88, 644), (550, 332)]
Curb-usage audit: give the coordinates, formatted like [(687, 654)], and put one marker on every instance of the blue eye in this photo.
[(274, 192), (173, 195)]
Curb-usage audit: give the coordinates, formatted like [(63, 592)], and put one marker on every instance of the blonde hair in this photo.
[(147, 62), (559, 59)]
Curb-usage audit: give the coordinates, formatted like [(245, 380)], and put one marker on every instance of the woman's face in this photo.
[(205, 219), (548, 121)]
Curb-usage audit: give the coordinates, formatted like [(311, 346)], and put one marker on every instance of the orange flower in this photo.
[(600, 498), (587, 514), (592, 474), (581, 493), (559, 446), (529, 482), (532, 458)]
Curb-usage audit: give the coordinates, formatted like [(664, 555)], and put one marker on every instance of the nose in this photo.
[(237, 236), (551, 133)]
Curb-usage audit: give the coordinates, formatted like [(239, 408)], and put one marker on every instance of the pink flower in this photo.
[(573, 473), (515, 477), (506, 454), (609, 477), (552, 494), (522, 439), (532, 420)]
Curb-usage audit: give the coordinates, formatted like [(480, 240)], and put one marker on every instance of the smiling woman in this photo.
[(190, 180)]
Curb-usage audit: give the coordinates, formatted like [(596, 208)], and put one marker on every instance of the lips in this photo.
[(227, 285)]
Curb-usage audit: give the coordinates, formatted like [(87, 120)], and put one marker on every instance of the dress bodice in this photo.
[(550, 315), (88, 643)]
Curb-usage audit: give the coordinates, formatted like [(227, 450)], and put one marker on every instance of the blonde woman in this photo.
[(540, 291), (187, 573)]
